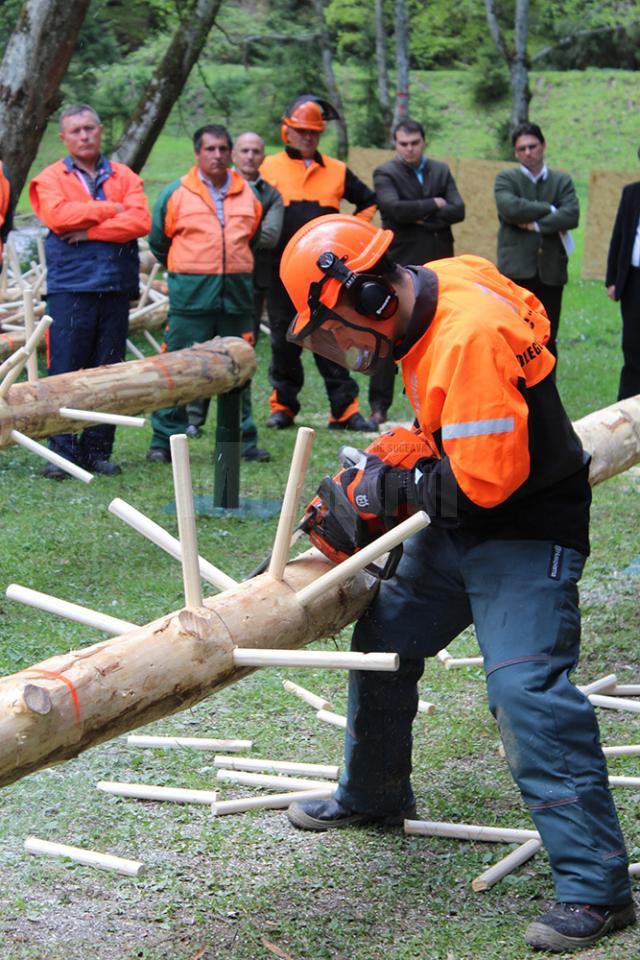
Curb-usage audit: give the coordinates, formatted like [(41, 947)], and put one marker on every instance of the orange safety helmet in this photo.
[(308, 112), (330, 254)]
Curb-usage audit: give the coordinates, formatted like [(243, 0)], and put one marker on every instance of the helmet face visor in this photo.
[(333, 336)]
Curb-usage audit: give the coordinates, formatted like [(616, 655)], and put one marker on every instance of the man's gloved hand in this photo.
[(375, 489)]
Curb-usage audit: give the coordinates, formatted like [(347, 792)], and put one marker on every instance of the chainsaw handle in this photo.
[(391, 564)]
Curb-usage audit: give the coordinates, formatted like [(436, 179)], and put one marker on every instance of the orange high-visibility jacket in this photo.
[(210, 264), (479, 381), (63, 203), (314, 189)]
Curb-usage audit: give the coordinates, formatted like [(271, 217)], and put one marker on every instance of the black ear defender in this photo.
[(372, 296)]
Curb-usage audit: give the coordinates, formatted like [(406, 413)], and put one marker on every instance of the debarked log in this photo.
[(612, 437), (90, 695), (138, 386)]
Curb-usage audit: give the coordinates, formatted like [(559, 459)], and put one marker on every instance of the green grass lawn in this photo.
[(245, 887)]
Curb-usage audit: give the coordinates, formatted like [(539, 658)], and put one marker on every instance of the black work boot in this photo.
[(571, 926), (329, 814), (356, 423)]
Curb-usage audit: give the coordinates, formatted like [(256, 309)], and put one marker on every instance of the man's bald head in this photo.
[(248, 154)]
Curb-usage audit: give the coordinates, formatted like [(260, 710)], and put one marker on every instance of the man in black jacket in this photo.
[(623, 284), (418, 200)]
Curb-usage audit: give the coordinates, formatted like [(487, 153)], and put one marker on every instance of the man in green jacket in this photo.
[(536, 208), (202, 231)]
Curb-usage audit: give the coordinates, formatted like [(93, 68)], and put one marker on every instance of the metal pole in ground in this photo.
[(226, 457)]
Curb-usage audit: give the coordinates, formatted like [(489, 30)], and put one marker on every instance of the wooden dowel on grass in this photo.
[(328, 771), (12, 255), (186, 516), (291, 501), (425, 707), (131, 347), (443, 656), (626, 690), (318, 703), (624, 782), (149, 337), (147, 791), (463, 662), (325, 659), (597, 686), (622, 751), (469, 831), (95, 416), (634, 869), (170, 544), (13, 365), (72, 611), (269, 780), (32, 362), (41, 451), (274, 801), (505, 866), (145, 290), (188, 743), (335, 719), (614, 703), (90, 858), (348, 568)]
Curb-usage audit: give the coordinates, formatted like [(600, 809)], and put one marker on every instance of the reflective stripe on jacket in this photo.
[(108, 259), (210, 265), (479, 382), (314, 189)]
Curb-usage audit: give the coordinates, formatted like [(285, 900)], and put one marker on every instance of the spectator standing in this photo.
[(418, 200), (6, 206), (95, 210), (536, 208), (203, 226), (311, 184), (623, 284)]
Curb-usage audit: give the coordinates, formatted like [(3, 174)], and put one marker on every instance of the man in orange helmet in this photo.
[(504, 480), (311, 184)]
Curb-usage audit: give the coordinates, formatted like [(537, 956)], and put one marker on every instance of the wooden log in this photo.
[(269, 780), (205, 369), (257, 765), (505, 866), (188, 743), (97, 692), (90, 858), (274, 801), (149, 791), (612, 438), (469, 831)]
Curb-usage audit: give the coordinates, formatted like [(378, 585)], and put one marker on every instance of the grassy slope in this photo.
[(224, 885)]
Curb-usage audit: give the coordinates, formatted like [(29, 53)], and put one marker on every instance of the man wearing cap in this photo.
[(311, 184)]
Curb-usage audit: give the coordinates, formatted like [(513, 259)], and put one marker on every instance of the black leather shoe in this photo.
[(356, 423), (193, 432), (280, 420), (158, 455), (53, 472), (105, 467), (257, 454), (329, 814), (571, 926)]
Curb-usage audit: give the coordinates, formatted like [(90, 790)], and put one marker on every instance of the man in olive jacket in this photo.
[(536, 208)]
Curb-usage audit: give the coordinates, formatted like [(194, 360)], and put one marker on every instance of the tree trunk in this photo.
[(333, 90), (402, 62), (214, 367), (155, 105), (519, 67), (34, 63), (381, 69), (56, 709)]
